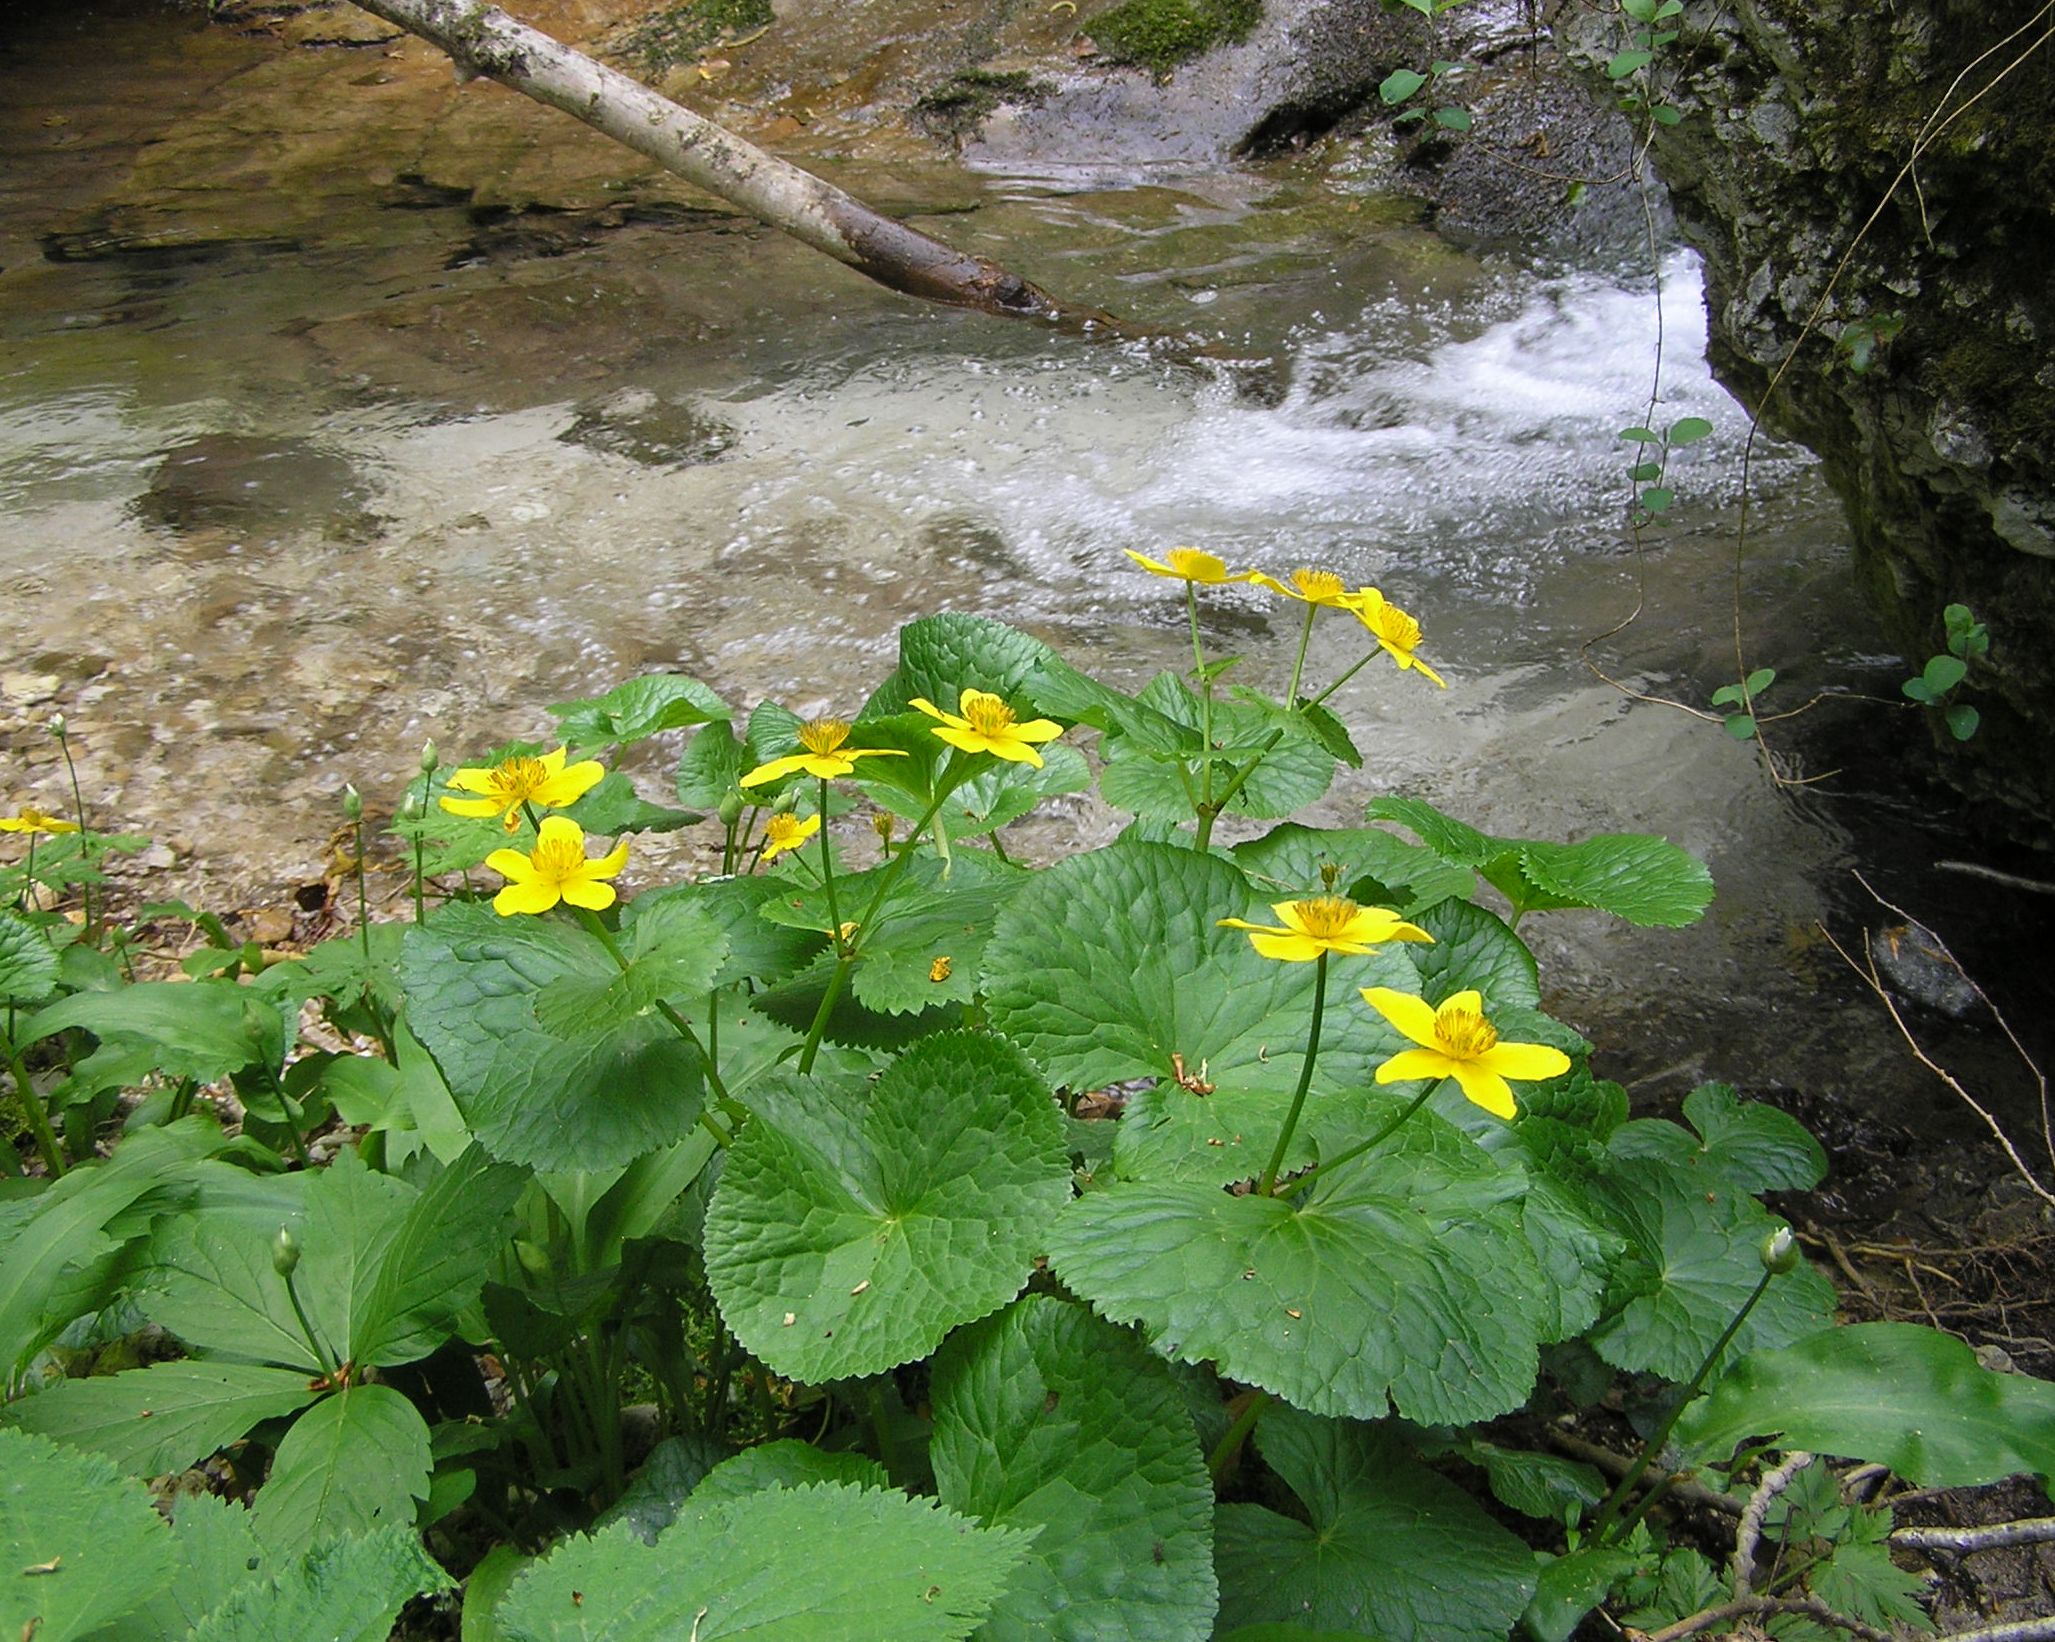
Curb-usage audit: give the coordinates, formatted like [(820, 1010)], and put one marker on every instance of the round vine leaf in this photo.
[(1404, 1278), (1048, 1418), (597, 1086), (1112, 965), (856, 1225), (1390, 1549)]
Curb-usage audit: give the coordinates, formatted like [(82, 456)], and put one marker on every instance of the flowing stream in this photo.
[(277, 508)]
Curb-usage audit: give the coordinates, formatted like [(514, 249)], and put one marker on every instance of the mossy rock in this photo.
[(680, 33), (958, 106), (1160, 34)]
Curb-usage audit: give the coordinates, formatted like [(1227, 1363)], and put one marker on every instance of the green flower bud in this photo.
[(353, 802), (730, 809), (410, 807), (1780, 1251), (534, 1258), (428, 758), (57, 725), (285, 1252)]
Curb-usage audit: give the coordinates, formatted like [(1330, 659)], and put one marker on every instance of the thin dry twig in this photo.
[(1867, 970), (1748, 1537), (1616, 1465), (1991, 1537), (1750, 1607)]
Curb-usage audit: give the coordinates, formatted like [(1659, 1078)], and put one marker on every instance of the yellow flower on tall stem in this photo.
[(1397, 633), (1326, 923), (1458, 1041), (557, 869), (1309, 586), (827, 754), (1190, 564), (31, 819), (785, 831), (507, 788), (985, 724)]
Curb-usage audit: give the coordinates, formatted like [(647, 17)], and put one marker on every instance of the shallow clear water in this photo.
[(272, 517)]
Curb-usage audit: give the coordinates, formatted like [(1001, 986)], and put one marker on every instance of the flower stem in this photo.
[(78, 804), (1611, 1525), (307, 1328), (828, 872), (28, 877), (34, 1115), (1202, 839), (1369, 657), (678, 1022), (1371, 1144), (1291, 1118), (1225, 1450), (363, 895), (1291, 696)]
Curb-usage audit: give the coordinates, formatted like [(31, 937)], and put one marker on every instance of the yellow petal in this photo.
[(611, 862), (511, 864), (1288, 946), (1038, 729), (568, 786), (1014, 752), (775, 770), (593, 897), (933, 711), (529, 897), (560, 830), (1486, 1089), (1529, 1062), (1412, 1015), (1408, 1064), (472, 780)]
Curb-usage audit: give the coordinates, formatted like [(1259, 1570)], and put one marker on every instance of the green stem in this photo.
[(1361, 1147), (1291, 1118), (285, 1113), (828, 874), (1225, 1450), (363, 896), (78, 804), (28, 882), (1207, 809), (999, 849), (307, 1328), (1291, 696), (33, 1114), (1608, 1528), (1351, 673), (952, 777), (678, 1022), (1208, 817)]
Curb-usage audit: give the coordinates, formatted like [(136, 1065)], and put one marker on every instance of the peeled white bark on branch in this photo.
[(483, 40)]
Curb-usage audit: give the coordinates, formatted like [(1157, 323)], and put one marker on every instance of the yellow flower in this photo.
[(825, 754), (1456, 1041), (1191, 564), (1392, 628), (556, 871), (515, 782), (1310, 587), (785, 831), (1327, 923), (32, 819), (988, 726)]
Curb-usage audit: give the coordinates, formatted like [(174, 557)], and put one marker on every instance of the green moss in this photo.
[(958, 106), (1160, 34), (680, 33)]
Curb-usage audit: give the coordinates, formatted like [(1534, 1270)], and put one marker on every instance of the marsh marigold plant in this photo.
[(1458, 1041), (505, 789), (557, 869)]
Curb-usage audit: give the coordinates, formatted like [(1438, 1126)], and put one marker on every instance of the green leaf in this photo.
[(55, 1261), (1962, 720), (997, 796), (1911, 1398), (1390, 1549), (1664, 114), (1570, 1586), (1740, 726), (942, 656), (613, 806), (1474, 950), (1545, 1486), (80, 1545), (438, 1256), (878, 1567), (164, 1418), (1646, 880), (1745, 1145), (1858, 1578), (1643, 473), (1291, 862), (1048, 1419), (1109, 963), (784, 1463), (659, 1489), (1688, 430), (216, 1555), (1627, 62), (1400, 84), (1943, 673), (1404, 1277), (1291, 770), (532, 1095), (1692, 1262), (1658, 499), (642, 707), (676, 949), (203, 1030), (28, 962), (353, 1214), (1918, 690), (1452, 840), (357, 1460), (1453, 118), (850, 1234), (344, 1590), (712, 767)]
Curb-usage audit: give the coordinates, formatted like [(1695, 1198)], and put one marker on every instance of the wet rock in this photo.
[(649, 430), (229, 484)]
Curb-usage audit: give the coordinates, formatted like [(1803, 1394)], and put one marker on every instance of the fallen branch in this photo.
[(1991, 1537), (1749, 1607), (484, 41)]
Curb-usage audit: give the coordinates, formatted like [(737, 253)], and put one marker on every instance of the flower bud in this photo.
[(353, 802), (881, 824), (730, 810), (427, 758), (285, 1252), (534, 1258), (57, 725), (1780, 1251), (410, 807)]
